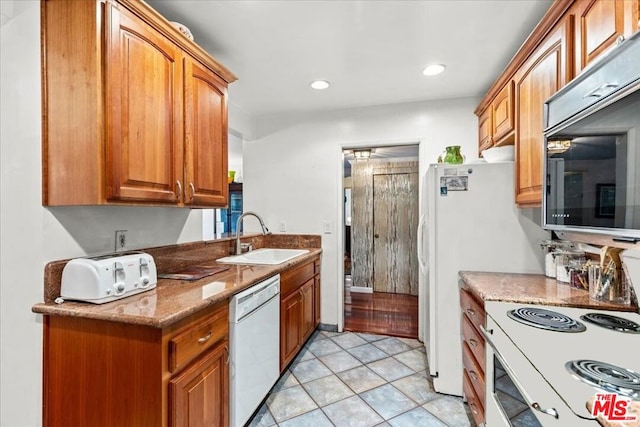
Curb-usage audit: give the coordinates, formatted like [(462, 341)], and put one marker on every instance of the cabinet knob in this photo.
[(376, 235)]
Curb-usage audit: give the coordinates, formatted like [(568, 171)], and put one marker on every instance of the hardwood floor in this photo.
[(381, 313)]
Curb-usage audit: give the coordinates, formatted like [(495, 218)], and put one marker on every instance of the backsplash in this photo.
[(174, 258)]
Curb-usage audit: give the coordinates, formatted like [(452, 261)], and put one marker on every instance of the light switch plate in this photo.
[(327, 227)]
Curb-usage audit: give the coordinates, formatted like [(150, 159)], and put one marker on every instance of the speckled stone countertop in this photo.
[(173, 300), (533, 289)]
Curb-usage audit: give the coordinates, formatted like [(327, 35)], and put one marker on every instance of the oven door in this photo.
[(517, 395)]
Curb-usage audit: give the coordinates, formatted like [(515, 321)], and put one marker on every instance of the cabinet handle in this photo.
[(226, 349), (550, 411), (193, 191), (473, 343), (470, 312), (600, 90), (179, 188), (205, 338), (473, 375), (473, 408)]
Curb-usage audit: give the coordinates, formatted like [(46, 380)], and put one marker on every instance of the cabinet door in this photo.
[(199, 396), (485, 129), (205, 136), (290, 327), (316, 299), (144, 150), (502, 107), (541, 76), (601, 22), (308, 316)]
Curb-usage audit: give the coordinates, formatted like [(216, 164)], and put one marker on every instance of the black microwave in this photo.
[(592, 148)]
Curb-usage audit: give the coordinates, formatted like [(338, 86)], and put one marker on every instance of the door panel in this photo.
[(205, 136), (144, 133), (395, 221)]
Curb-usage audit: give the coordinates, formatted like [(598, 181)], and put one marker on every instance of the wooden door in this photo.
[(144, 150), (199, 396), (395, 222), (316, 299), (308, 318), (206, 181), (485, 129), (290, 327), (600, 24), (502, 107), (546, 71)]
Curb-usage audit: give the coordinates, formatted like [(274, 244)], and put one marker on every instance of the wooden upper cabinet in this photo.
[(205, 136), (600, 24), (502, 121), (144, 152), (542, 75), (133, 111), (496, 121), (485, 129)]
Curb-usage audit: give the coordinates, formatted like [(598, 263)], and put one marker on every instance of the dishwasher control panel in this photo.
[(245, 302)]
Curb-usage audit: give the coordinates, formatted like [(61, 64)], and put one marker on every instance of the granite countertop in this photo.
[(173, 300), (533, 289)]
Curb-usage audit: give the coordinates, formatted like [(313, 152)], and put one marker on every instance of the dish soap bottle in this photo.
[(453, 155)]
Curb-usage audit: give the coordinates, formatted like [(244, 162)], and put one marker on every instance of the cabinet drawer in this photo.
[(474, 371), (291, 280), (472, 309), (474, 340), (190, 343), (477, 408)]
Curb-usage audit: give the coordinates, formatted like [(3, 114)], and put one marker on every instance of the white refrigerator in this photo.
[(469, 222)]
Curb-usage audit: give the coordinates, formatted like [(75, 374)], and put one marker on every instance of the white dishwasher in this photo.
[(254, 347)]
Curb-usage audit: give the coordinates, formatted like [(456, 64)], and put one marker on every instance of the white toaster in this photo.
[(108, 278)]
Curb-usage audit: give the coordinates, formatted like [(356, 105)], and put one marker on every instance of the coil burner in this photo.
[(615, 323), (546, 319), (607, 377)]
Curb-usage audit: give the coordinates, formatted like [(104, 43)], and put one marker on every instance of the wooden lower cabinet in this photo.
[(473, 358), (299, 308), (198, 396), (101, 373)]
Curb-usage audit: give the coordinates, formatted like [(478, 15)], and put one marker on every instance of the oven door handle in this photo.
[(535, 405)]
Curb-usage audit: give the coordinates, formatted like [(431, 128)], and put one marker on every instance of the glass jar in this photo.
[(564, 260), (453, 155), (551, 247)]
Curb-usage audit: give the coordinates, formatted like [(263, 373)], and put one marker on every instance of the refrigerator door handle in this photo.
[(421, 261)]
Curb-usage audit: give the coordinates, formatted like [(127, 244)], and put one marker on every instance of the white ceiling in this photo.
[(371, 51)]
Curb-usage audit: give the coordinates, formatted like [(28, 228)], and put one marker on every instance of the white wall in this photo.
[(30, 235), (293, 170)]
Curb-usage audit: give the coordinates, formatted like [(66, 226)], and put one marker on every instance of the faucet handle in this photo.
[(246, 247)]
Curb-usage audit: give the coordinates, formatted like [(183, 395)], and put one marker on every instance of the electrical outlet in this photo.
[(283, 226), (327, 227), (121, 240)]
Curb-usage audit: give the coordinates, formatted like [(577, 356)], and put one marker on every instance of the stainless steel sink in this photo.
[(265, 256)]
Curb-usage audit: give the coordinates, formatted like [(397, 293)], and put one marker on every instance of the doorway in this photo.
[(381, 219)]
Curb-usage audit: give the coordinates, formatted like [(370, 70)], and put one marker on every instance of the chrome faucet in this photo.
[(265, 230)]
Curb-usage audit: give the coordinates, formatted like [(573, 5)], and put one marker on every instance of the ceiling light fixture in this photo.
[(320, 84), (433, 69), (362, 154)]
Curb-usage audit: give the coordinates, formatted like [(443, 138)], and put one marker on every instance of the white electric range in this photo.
[(557, 373)]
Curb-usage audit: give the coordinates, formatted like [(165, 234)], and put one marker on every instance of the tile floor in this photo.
[(360, 380)]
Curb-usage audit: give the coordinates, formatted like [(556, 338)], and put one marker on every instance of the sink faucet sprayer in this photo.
[(265, 230)]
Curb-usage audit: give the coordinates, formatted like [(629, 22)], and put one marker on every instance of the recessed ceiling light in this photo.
[(434, 69), (320, 84)]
